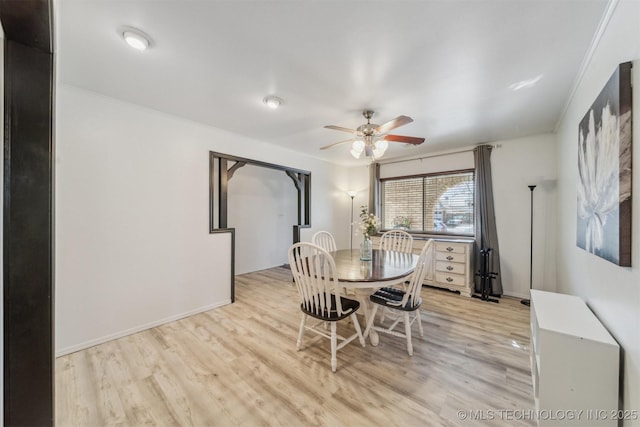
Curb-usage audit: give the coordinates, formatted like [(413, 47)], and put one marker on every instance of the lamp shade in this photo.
[(379, 148), (357, 147)]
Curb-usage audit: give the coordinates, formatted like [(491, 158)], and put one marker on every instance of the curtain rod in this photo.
[(466, 150)]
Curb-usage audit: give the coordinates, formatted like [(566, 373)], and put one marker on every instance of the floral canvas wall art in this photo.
[(604, 172)]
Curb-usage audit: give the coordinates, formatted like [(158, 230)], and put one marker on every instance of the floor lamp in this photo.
[(527, 301), (351, 194)]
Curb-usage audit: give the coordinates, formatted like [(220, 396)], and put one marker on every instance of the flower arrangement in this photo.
[(402, 222), (368, 222)]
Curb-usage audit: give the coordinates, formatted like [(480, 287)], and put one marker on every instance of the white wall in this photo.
[(358, 181), (515, 165), (447, 162), (612, 292), (262, 208), (330, 203), (132, 216)]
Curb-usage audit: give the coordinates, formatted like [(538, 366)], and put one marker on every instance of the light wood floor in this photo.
[(237, 365)]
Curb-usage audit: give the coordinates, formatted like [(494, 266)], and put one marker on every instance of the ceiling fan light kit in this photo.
[(380, 148), (375, 149), (356, 148), (373, 139)]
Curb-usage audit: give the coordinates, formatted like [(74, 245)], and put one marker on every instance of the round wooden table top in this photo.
[(384, 265)]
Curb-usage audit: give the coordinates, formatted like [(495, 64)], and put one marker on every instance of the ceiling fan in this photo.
[(372, 138)]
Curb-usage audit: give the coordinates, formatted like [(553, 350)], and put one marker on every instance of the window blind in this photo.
[(435, 203)]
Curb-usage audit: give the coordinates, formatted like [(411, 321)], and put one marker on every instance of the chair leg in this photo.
[(407, 331), (356, 324), (372, 316), (301, 331), (419, 320), (334, 344)]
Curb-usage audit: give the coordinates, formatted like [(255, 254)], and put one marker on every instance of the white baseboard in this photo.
[(135, 329), (516, 295)]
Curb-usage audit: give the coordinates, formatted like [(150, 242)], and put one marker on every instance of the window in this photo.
[(441, 203)]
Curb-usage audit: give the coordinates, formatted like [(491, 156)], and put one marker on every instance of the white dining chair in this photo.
[(403, 302), (396, 240), (314, 272), (325, 240)]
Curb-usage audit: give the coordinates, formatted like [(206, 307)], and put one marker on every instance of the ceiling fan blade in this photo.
[(337, 143), (342, 129), (406, 139), (392, 124)]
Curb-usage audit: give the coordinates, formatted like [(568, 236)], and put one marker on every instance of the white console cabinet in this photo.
[(452, 263), (574, 362), (453, 266)]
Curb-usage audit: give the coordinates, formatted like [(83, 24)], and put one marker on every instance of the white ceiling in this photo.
[(447, 64)]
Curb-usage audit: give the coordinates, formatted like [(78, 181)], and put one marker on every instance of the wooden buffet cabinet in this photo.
[(452, 263)]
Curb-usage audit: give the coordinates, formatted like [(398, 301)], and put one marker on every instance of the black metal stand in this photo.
[(527, 301), (351, 222), (486, 276)]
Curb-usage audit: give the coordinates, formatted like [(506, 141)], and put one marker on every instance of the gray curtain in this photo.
[(485, 218), (374, 188)]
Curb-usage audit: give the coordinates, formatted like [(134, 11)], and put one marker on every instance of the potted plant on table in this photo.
[(368, 224), (402, 223)]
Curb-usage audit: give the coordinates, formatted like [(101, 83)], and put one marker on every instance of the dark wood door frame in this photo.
[(219, 175), (28, 256)]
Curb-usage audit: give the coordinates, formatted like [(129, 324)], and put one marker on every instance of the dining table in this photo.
[(385, 269)]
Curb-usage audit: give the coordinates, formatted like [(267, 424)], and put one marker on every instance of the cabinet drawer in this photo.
[(453, 279), (450, 257), (448, 247), (450, 267)]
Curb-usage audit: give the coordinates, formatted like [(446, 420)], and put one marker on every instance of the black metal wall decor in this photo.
[(222, 167)]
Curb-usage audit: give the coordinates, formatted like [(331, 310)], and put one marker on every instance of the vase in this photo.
[(366, 249)]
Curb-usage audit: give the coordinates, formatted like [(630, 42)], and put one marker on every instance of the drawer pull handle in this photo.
[(449, 258), (449, 279), (449, 268), (449, 248)]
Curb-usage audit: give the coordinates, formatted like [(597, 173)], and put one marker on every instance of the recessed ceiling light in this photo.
[(136, 38), (525, 84), (272, 102)]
